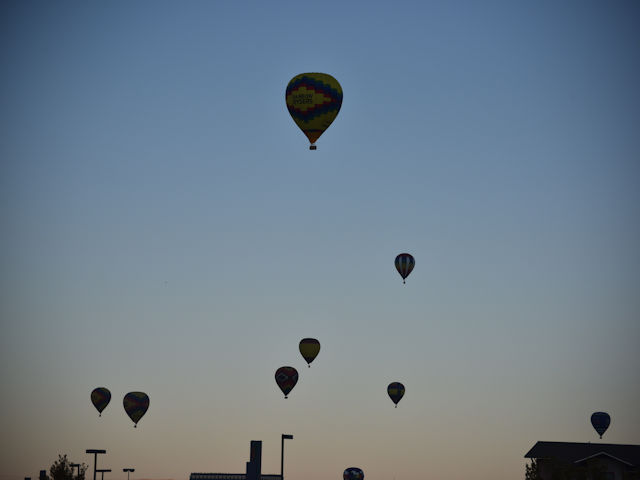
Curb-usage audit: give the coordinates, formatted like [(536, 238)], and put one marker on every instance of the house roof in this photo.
[(577, 452)]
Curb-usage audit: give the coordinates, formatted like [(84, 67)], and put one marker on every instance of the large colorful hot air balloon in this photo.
[(353, 473), (396, 392), (286, 378), (309, 349), (313, 100), (136, 405), (100, 397), (404, 264), (600, 421)]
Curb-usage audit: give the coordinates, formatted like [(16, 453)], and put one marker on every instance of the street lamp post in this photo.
[(95, 460), (284, 437), (102, 472), (128, 470)]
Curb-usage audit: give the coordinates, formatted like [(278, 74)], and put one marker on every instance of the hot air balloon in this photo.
[(404, 264), (100, 397), (600, 422), (136, 405), (396, 392), (309, 348), (353, 473), (286, 378), (313, 100)]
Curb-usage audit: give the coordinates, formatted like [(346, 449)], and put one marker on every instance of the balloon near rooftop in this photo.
[(600, 422)]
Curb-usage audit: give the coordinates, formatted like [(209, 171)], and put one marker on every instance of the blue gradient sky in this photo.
[(166, 229)]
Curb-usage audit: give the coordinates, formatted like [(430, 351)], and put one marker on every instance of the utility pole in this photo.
[(102, 472)]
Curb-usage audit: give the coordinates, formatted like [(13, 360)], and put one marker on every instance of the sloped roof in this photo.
[(577, 452)]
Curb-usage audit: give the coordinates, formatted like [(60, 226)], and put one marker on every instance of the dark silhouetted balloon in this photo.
[(353, 473), (404, 264), (600, 421), (313, 101), (396, 392), (286, 378), (136, 405), (100, 397), (309, 349)]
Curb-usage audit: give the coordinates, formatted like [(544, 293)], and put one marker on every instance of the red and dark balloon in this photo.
[(286, 378), (136, 405), (100, 397)]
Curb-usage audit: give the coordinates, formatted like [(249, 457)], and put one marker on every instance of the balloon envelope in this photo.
[(309, 349), (286, 378), (353, 473), (136, 405), (396, 392), (404, 264), (600, 421), (100, 397), (313, 101)]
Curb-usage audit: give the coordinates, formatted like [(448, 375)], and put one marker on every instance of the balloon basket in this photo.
[(312, 147)]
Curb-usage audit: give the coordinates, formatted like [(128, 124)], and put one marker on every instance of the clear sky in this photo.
[(166, 229)]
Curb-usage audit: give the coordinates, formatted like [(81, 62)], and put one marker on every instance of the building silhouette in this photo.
[(253, 468), (617, 461)]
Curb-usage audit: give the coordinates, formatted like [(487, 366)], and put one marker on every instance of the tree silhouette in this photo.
[(531, 471), (559, 470), (62, 470)]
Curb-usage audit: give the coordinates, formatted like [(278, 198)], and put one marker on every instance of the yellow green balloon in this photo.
[(309, 349)]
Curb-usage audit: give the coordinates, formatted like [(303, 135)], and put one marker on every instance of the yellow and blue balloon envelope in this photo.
[(313, 100), (396, 392)]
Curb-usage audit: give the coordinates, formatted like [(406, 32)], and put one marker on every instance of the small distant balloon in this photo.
[(313, 101), (600, 422), (100, 397), (395, 390), (309, 349), (353, 473), (136, 405), (404, 264), (286, 378)]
